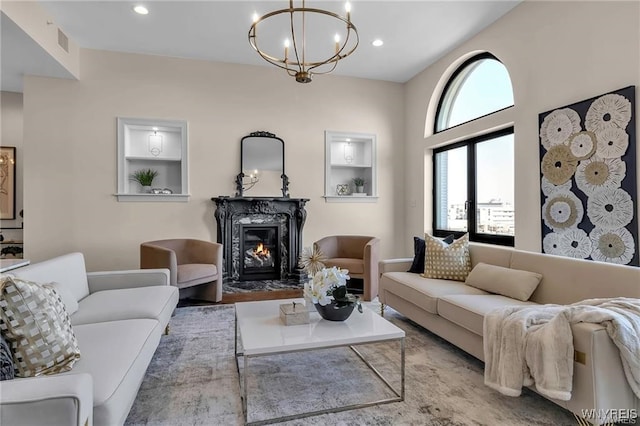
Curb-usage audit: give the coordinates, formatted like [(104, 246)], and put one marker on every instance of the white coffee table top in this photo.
[(262, 332)]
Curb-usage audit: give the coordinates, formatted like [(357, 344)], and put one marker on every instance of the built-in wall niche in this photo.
[(156, 145), (349, 156)]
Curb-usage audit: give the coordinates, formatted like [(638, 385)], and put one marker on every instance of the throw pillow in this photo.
[(34, 321), (6, 361), (508, 282), (417, 266), (447, 262), (70, 302)]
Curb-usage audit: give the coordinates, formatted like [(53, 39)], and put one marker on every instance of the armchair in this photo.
[(195, 266), (358, 254)]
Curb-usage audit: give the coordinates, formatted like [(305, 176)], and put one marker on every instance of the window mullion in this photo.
[(471, 190)]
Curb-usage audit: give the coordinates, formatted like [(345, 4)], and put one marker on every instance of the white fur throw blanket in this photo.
[(528, 344)]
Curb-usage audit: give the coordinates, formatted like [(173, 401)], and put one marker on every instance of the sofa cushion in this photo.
[(34, 320), (116, 354), (131, 303), (195, 273), (468, 311), (449, 262), (355, 266), (508, 282), (424, 292), (417, 265), (68, 270)]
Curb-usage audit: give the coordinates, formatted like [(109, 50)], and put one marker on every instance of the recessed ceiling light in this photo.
[(141, 10), (377, 42)]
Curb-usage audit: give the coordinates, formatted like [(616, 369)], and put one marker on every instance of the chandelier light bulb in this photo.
[(286, 43), (255, 17), (377, 42), (347, 7), (141, 10)]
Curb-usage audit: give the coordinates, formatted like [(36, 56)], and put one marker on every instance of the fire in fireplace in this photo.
[(258, 257), (260, 245)]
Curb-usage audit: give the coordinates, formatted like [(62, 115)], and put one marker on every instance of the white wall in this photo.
[(11, 135), (557, 53), (70, 150)]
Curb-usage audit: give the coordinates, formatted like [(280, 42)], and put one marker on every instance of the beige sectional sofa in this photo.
[(118, 318), (455, 312)]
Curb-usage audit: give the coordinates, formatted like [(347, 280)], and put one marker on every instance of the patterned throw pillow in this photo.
[(447, 262), (6, 361), (417, 266), (34, 321)]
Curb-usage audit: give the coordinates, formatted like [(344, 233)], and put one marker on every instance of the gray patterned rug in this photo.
[(192, 380)]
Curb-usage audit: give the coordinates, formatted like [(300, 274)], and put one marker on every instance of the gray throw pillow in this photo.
[(7, 368)]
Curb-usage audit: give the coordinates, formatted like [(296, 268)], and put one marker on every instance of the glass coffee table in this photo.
[(259, 332)]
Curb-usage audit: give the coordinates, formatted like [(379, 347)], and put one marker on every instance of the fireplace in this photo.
[(275, 222), (259, 252)]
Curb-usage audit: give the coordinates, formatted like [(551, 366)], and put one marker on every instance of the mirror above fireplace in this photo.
[(262, 165)]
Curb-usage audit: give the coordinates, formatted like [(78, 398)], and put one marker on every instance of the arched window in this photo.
[(480, 86), (473, 178)]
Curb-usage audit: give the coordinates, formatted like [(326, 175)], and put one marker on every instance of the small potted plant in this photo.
[(328, 291), (145, 178), (359, 184)]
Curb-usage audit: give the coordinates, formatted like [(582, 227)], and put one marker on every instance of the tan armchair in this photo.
[(358, 254), (195, 266)]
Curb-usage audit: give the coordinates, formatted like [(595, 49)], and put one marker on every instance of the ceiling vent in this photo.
[(63, 41)]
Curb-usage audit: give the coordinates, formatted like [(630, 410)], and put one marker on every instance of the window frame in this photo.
[(472, 220), (464, 67)]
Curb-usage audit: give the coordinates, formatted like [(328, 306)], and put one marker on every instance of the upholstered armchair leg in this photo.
[(166, 330), (382, 309)]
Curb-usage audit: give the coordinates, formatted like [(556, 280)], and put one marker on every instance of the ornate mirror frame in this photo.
[(254, 156)]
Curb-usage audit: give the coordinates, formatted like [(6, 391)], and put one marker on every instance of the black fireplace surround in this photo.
[(285, 216)]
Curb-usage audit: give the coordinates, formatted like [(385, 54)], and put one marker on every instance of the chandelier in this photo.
[(297, 58)]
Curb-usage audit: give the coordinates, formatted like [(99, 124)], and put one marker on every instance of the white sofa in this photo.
[(455, 312), (118, 318)]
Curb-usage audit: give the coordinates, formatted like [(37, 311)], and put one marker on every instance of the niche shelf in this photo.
[(160, 145), (347, 156)]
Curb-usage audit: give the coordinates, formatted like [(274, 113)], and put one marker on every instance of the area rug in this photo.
[(192, 380)]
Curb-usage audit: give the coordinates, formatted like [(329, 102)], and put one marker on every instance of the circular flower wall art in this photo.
[(610, 209), (582, 145), (558, 126), (551, 243), (562, 210), (612, 143), (575, 243), (589, 179), (548, 188), (596, 174), (610, 111), (559, 164), (615, 246)]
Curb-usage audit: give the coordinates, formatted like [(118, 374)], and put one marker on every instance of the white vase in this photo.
[(146, 189), (359, 189)]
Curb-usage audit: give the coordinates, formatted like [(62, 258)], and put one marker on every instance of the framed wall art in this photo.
[(588, 179), (7, 182)]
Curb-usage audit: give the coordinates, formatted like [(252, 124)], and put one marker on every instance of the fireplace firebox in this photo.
[(243, 223), (260, 252)]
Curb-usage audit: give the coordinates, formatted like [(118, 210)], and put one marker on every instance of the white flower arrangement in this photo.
[(329, 285)]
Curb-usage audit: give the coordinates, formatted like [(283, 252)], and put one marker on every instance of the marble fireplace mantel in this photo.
[(289, 213)]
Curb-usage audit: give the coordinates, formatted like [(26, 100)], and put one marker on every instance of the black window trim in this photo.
[(452, 80), (471, 143)]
